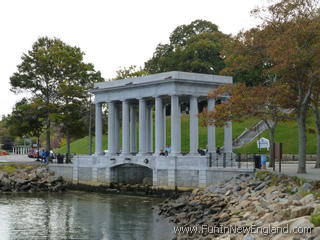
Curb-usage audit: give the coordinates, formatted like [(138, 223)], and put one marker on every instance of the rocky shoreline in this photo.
[(31, 179), (248, 208)]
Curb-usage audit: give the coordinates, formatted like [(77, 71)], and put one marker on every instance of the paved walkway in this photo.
[(17, 159), (312, 174)]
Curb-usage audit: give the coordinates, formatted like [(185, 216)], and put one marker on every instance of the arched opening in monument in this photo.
[(131, 174)]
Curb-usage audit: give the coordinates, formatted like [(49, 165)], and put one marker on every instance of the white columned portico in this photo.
[(111, 128), (133, 123), (125, 128), (159, 125), (211, 129), (175, 126), (228, 138), (98, 129), (194, 131), (142, 127)]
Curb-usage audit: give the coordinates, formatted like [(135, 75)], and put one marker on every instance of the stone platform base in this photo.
[(166, 173)]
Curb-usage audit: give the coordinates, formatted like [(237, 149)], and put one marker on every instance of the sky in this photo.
[(112, 33)]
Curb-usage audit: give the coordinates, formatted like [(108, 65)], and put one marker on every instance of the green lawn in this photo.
[(286, 133), (11, 168), (81, 146)]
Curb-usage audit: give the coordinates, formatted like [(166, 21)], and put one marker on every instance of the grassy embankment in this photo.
[(81, 146), (286, 133), (11, 168)]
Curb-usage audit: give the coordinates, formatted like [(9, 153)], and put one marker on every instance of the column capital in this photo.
[(194, 98), (123, 99), (159, 96), (212, 99)]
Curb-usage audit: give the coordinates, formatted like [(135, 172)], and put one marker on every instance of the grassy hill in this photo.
[(81, 146), (286, 133)]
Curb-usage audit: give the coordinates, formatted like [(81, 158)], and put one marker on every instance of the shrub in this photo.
[(315, 219)]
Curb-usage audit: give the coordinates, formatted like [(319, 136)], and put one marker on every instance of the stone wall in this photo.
[(187, 178), (101, 174), (63, 170), (85, 174), (162, 178), (164, 172)]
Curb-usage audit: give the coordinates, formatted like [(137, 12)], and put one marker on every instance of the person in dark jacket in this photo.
[(46, 156)]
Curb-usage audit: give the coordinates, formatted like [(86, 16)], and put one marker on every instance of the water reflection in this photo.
[(80, 215)]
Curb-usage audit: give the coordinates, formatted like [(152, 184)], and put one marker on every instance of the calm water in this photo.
[(80, 215)]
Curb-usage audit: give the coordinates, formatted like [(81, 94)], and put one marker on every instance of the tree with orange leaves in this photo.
[(285, 47), (315, 106), (268, 103)]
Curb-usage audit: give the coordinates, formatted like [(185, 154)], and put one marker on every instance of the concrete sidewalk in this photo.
[(312, 174), (17, 159)]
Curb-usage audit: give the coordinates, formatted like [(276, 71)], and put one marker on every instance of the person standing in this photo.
[(46, 156), (42, 156)]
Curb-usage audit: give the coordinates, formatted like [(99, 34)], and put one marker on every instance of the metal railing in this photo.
[(231, 160)]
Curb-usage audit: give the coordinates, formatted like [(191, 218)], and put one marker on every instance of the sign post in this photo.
[(263, 143), (278, 153)]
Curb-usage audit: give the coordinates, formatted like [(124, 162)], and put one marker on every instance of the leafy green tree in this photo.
[(292, 33), (182, 33), (285, 48), (6, 139), (131, 71), (27, 119), (268, 103), (72, 110), (43, 69), (73, 97), (246, 58), (196, 47), (315, 106)]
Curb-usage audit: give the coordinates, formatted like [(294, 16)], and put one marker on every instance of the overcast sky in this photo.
[(112, 33)]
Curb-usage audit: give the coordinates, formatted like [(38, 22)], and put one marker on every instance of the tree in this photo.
[(268, 103), (246, 58), (73, 96), (195, 48), (315, 105), (27, 119), (129, 72), (182, 33), (72, 121), (286, 47), (6, 139), (43, 69), (293, 35)]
